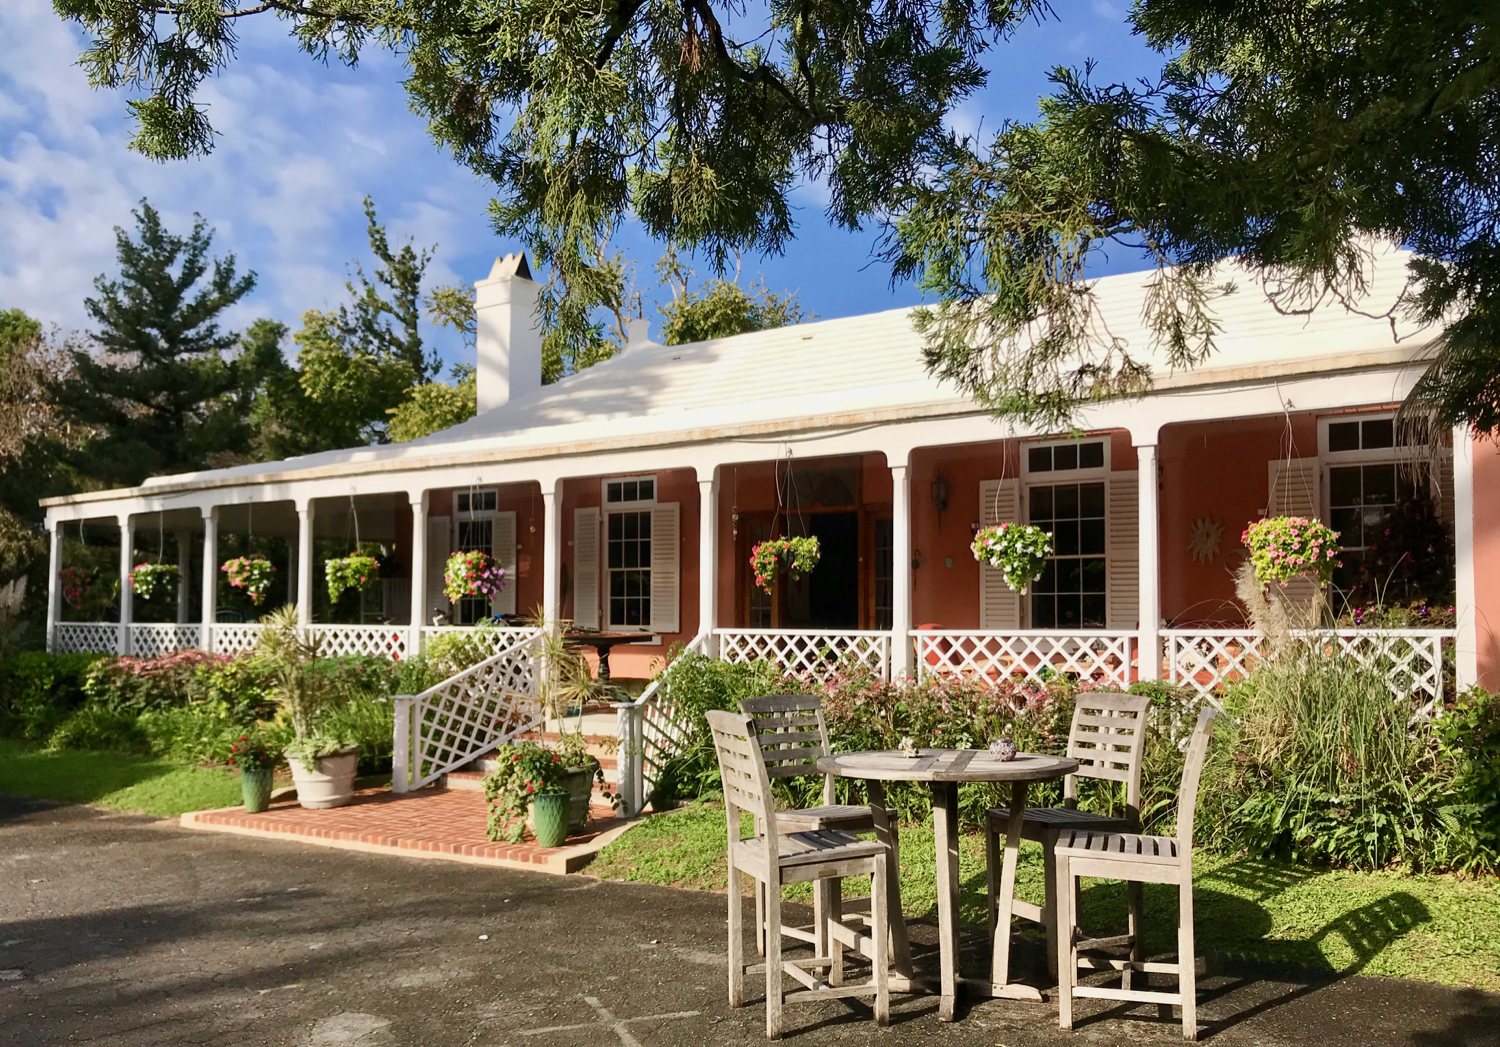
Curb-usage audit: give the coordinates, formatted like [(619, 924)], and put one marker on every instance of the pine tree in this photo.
[(161, 387)]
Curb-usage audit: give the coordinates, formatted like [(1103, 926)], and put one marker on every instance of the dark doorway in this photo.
[(828, 598)]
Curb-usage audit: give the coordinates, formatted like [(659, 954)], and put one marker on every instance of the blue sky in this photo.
[(301, 143)]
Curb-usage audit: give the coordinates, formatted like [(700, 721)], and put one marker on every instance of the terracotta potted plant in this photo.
[(323, 765)]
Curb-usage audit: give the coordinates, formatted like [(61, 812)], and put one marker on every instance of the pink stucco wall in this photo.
[(1487, 559)]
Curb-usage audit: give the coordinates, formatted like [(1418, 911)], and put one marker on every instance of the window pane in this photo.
[(1041, 504), (1379, 433), (1091, 500), (617, 612), (1070, 576), (630, 555), (1065, 502), (1091, 456), (1044, 612), (1091, 537), (631, 524), (1380, 485), (645, 524), (1094, 609), (614, 492), (616, 526), (1047, 583), (1094, 574), (1068, 612), (1344, 486), (647, 490), (1065, 456), (1039, 459), (1343, 436), (631, 492), (1346, 523), (1065, 537)]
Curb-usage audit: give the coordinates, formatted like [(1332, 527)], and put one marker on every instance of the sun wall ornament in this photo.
[(1205, 539)]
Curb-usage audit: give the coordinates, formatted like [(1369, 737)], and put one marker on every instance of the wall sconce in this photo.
[(940, 493)]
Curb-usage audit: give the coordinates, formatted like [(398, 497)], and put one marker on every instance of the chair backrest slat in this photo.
[(792, 734), (1108, 739), (1192, 775), (746, 785)]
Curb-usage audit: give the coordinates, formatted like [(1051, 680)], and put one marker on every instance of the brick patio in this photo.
[(445, 823)]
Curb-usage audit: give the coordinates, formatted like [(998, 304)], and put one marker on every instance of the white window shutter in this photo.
[(586, 568), (504, 549), (1443, 481), (666, 577), (439, 546), (1294, 490), (1122, 586), (999, 607)]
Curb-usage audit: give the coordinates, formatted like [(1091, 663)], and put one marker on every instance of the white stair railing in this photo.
[(651, 731), (467, 715), (1102, 655)]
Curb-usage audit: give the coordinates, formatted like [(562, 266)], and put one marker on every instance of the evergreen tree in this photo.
[(159, 388)]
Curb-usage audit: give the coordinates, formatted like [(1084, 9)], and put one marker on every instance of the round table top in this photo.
[(947, 765)]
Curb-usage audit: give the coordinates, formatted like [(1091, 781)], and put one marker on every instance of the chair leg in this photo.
[(1067, 958), (1049, 901), (1187, 961), (992, 859), (760, 918), (820, 914), (880, 930), (736, 938), (831, 891), (1134, 899), (773, 956)]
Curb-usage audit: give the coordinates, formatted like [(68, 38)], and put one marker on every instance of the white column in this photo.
[(901, 647), (1466, 670), (419, 570), (210, 575), (184, 568), (1149, 654), (292, 563), (304, 563), (127, 598), (54, 579), (552, 561), (708, 559)]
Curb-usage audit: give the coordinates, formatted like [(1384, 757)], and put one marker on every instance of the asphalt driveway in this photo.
[(131, 931)]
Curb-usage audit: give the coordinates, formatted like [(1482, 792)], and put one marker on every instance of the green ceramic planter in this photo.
[(255, 784), (549, 819)]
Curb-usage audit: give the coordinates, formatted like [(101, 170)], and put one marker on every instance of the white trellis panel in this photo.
[(808, 652), (498, 637), (381, 641), (85, 638), (235, 637), (659, 733), (467, 715), (153, 640), (1206, 660), (1101, 655)]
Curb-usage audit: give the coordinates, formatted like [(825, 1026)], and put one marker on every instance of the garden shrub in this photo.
[(94, 726), (38, 691), (139, 684), (369, 721), (1469, 736), (240, 684), (197, 734)]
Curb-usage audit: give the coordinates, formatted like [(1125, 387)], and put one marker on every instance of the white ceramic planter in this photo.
[(330, 783)]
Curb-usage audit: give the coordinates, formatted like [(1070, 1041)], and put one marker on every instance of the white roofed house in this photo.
[(627, 498)]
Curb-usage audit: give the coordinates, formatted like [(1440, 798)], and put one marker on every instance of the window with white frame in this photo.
[(1372, 469), (475, 532), (628, 504), (1065, 494)]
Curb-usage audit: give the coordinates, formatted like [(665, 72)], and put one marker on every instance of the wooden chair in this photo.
[(776, 859), (1134, 859), (793, 734), (1108, 739)]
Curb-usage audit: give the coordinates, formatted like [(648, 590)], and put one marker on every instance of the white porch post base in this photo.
[(1148, 657)]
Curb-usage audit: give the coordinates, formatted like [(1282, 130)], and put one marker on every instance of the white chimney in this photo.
[(637, 332), (508, 338)]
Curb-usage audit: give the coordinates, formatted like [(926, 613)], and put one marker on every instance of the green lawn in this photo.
[(1433, 928), (123, 783)]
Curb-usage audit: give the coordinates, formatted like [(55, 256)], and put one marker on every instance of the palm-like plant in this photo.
[(302, 693)]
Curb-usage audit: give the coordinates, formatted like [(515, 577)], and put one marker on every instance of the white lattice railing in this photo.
[(381, 641), (466, 715), (84, 638), (812, 653), (497, 637), (152, 640), (1412, 659), (1101, 655), (234, 637)]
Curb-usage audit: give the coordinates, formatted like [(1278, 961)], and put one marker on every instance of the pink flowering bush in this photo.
[(472, 573), (1286, 547), (1018, 551)]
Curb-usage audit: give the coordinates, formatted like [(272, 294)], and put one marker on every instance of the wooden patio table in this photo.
[(943, 770)]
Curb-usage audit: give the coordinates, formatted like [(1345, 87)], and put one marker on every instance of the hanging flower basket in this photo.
[(796, 556), (472, 573), (1017, 551), (1286, 547), (359, 572), (150, 580), (252, 574)]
